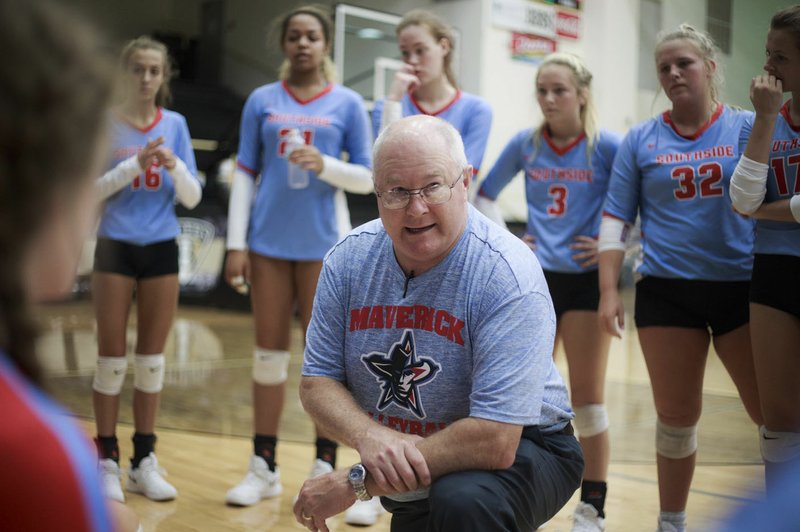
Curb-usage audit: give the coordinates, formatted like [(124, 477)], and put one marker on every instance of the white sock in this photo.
[(674, 518)]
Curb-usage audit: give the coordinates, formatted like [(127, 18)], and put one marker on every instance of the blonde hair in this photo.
[(164, 94), (705, 45), (281, 26), (439, 30), (583, 83)]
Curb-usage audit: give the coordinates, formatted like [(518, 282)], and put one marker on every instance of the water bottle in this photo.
[(297, 175)]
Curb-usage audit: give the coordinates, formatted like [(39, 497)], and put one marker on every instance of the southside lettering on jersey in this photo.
[(408, 317), (679, 187), (698, 155)]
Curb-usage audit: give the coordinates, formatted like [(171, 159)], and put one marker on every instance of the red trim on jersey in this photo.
[(447, 106), (328, 88), (700, 131), (32, 452), (145, 129), (561, 151), (246, 169), (788, 116), (609, 215), (475, 171)]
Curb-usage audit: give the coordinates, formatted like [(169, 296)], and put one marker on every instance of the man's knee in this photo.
[(465, 495)]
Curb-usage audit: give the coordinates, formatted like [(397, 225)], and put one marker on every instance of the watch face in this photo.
[(357, 472)]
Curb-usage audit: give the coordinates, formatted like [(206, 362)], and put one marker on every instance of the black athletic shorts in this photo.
[(573, 291), (776, 282), (139, 262), (721, 306)]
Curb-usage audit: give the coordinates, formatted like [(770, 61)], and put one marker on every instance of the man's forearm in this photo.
[(331, 405), (471, 443), (466, 444)]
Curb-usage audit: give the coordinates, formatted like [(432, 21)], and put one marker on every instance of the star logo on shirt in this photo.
[(401, 372)]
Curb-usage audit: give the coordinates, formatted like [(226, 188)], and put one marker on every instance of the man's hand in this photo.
[(322, 497), (393, 461)]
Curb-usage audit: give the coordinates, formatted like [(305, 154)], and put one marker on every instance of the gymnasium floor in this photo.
[(205, 425)]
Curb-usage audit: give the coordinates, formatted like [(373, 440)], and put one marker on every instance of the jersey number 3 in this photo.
[(152, 178), (708, 177), (559, 194)]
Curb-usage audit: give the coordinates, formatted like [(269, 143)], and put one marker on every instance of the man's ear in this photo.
[(468, 173)]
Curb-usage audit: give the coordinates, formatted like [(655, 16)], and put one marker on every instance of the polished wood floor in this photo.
[(205, 424)]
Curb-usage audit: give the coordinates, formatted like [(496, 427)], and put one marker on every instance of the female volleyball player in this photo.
[(673, 170), (567, 163), (153, 165), (427, 85), (282, 224), (766, 186)]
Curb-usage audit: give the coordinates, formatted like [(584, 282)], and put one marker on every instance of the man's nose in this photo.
[(416, 205)]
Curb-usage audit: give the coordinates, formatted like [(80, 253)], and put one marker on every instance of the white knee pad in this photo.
[(675, 442), (270, 366), (110, 375), (591, 420), (779, 447), (149, 373)]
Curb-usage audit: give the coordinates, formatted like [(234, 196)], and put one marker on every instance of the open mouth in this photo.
[(419, 230)]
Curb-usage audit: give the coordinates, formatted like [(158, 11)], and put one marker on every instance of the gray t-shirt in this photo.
[(471, 337)]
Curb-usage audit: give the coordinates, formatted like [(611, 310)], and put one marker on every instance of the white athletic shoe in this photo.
[(148, 479), (665, 526), (259, 483), (319, 468), (364, 513), (110, 477), (585, 518)]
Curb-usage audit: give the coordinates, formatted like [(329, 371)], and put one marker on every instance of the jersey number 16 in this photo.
[(152, 178)]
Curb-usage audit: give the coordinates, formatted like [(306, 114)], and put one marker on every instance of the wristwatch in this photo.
[(357, 478)]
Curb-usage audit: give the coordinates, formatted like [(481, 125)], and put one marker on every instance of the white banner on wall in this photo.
[(525, 17)]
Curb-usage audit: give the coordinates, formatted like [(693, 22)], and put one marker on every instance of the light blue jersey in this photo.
[(679, 186), (144, 212), (779, 238), (564, 191), (471, 115), (289, 223), (473, 336)]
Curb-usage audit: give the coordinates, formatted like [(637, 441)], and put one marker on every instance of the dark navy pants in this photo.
[(547, 471)]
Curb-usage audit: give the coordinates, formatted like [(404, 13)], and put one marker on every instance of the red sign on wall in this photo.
[(567, 24), (531, 48)]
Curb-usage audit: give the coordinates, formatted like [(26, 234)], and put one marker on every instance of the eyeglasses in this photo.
[(433, 194)]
